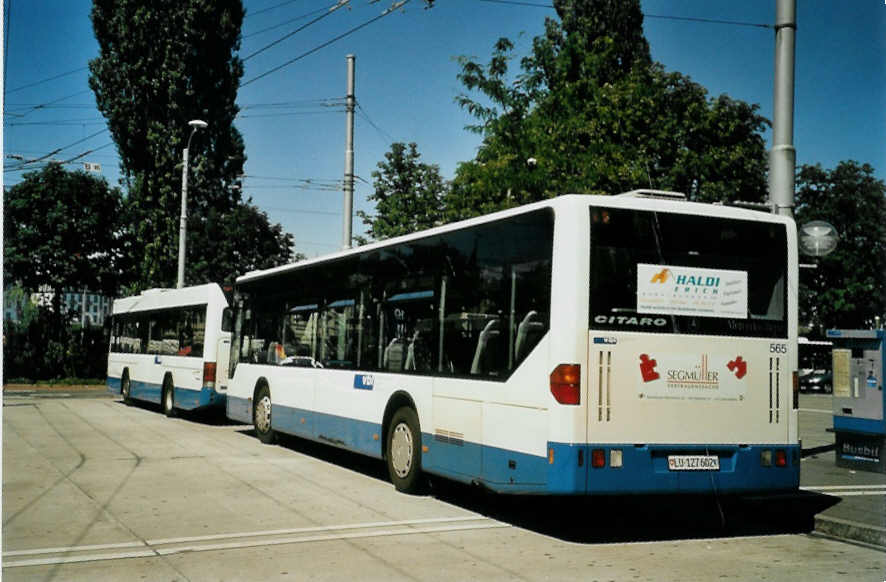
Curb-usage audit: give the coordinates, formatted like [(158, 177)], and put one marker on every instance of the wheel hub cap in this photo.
[(401, 450), (263, 415)]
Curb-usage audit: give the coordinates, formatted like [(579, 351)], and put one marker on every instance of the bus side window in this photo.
[(338, 329), (247, 331), (409, 320), (300, 335)]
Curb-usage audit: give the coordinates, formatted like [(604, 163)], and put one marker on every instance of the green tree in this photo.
[(250, 242), (160, 65), (848, 287), (62, 230), (590, 112), (408, 194)]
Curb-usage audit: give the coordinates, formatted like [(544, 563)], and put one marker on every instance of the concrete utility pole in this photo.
[(783, 156), (196, 125), (349, 157)]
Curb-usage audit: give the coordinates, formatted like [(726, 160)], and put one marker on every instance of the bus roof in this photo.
[(152, 299), (568, 203)]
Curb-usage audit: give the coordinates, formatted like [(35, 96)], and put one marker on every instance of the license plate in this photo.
[(693, 463)]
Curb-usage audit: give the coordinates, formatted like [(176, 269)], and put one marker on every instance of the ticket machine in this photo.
[(859, 399)]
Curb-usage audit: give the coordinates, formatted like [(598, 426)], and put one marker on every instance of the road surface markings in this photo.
[(848, 490), (164, 547)]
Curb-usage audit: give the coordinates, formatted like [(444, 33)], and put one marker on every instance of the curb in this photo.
[(851, 530)]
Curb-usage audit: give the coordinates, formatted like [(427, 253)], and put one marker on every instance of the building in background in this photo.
[(85, 307)]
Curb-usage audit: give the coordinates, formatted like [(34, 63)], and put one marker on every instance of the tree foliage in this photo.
[(160, 65), (61, 230), (590, 112), (250, 242), (848, 287), (408, 194)]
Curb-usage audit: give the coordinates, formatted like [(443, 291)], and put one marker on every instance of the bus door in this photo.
[(223, 359)]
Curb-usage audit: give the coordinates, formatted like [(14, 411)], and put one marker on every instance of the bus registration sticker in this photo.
[(693, 463)]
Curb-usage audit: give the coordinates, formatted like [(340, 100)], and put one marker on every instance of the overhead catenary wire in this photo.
[(330, 11), (87, 152), (46, 80), (8, 7), (269, 8), (59, 122), (387, 11), (278, 109), (645, 14), (302, 211), (57, 150), (284, 23), (289, 179), (48, 103), (368, 120)]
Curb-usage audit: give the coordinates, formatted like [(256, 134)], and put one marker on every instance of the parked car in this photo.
[(817, 381)]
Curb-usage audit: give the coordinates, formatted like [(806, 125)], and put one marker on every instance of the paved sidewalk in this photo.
[(859, 513)]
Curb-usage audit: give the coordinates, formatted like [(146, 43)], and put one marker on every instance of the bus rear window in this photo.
[(677, 273)]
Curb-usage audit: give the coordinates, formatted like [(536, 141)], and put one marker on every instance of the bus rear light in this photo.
[(566, 384), (209, 374), (615, 458), (598, 458), (766, 458), (781, 458)]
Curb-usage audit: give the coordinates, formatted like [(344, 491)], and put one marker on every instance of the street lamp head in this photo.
[(198, 124)]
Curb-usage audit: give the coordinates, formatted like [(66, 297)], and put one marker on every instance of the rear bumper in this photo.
[(644, 469)]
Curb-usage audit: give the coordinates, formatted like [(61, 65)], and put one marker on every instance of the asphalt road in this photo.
[(97, 490)]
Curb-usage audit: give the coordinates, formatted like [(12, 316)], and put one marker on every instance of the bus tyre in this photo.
[(404, 451), (126, 388), (168, 397), (261, 416)]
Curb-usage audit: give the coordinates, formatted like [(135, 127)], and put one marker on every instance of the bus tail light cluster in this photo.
[(780, 459), (598, 458), (209, 375), (566, 384)]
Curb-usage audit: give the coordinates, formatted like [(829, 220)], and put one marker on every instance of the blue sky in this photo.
[(406, 84)]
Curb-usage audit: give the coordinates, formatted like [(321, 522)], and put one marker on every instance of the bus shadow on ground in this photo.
[(208, 416), (609, 518), (639, 518)]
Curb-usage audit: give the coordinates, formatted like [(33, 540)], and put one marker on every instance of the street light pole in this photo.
[(197, 125), (783, 156)]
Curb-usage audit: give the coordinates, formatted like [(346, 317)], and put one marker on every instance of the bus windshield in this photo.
[(684, 274)]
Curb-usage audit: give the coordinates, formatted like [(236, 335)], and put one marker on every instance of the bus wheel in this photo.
[(261, 416), (168, 397), (125, 387), (404, 451)]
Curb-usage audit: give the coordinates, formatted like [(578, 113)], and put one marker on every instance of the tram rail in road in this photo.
[(215, 542)]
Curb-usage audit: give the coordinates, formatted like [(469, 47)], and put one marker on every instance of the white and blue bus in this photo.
[(581, 345), (171, 347)]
